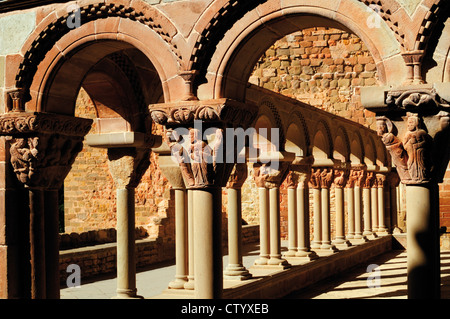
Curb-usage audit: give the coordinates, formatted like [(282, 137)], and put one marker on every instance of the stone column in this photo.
[(171, 171), (340, 181), (304, 245), (270, 176), (321, 180), (314, 183), (381, 182), (412, 157), (292, 184), (264, 236), (127, 165), (190, 285), (42, 150), (359, 177), (350, 195), (235, 269), (367, 202), (393, 180), (196, 132)]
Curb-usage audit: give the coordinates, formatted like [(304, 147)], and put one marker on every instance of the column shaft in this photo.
[(275, 240), (208, 243), (190, 200), (374, 208), (358, 213), (423, 242), (181, 248), (52, 244), (367, 211), (37, 244), (263, 227), (235, 269), (381, 210), (292, 222), (126, 260), (350, 212), (317, 239)]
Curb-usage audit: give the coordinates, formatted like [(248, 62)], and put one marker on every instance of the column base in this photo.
[(328, 247), (315, 245), (370, 235), (127, 294), (341, 243), (261, 261), (306, 254), (178, 283), (189, 285), (279, 262), (359, 240), (290, 253), (236, 273)]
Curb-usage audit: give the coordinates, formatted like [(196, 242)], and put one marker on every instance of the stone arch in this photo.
[(112, 27), (322, 145), (356, 149), (267, 120), (341, 145), (245, 42), (297, 136), (370, 151)]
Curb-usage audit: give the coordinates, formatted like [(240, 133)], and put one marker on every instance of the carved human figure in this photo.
[(395, 147), (417, 145)]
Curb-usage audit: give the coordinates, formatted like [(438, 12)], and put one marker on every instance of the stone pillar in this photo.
[(196, 132), (314, 183), (381, 183), (412, 157), (350, 195), (359, 177), (171, 171), (374, 203), (127, 165), (42, 150), (269, 177), (264, 248), (304, 246), (190, 285), (340, 181), (292, 184), (393, 182), (367, 204), (322, 177), (235, 269)]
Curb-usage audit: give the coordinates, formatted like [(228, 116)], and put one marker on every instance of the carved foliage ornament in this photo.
[(221, 110)]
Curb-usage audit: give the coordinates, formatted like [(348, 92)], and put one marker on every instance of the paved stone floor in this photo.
[(388, 281)]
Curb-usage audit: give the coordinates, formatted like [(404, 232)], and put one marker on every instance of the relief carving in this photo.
[(341, 178), (128, 165), (321, 177), (369, 180), (268, 175), (238, 176)]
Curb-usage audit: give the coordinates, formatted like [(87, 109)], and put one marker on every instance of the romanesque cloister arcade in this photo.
[(183, 67)]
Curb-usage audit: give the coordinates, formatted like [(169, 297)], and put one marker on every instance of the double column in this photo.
[(198, 135), (42, 148), (298, 212), (235, 269), (268, 178), (322, 177)]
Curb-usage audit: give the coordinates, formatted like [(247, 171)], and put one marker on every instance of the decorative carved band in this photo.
[(24, 123), (43, 146), (220, 110), (415, 98)]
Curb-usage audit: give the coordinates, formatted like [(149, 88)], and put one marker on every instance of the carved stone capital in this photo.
[(238, 176), (128, 165), (357, 177), (380, 180), (270, 175), (321, 177), (341, 177), (202, 163), (369, 180), (298, 176), (43, 146)]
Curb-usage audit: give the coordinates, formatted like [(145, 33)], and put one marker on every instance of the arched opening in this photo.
[(296, 142), (111, 82)]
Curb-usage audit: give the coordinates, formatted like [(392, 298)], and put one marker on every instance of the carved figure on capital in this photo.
[(298, 176), (321, 177), (370, 180), (394, 146), (270, 175), (418, 145), (238, 176), (357, 178), (380, 180), (341, 177)]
